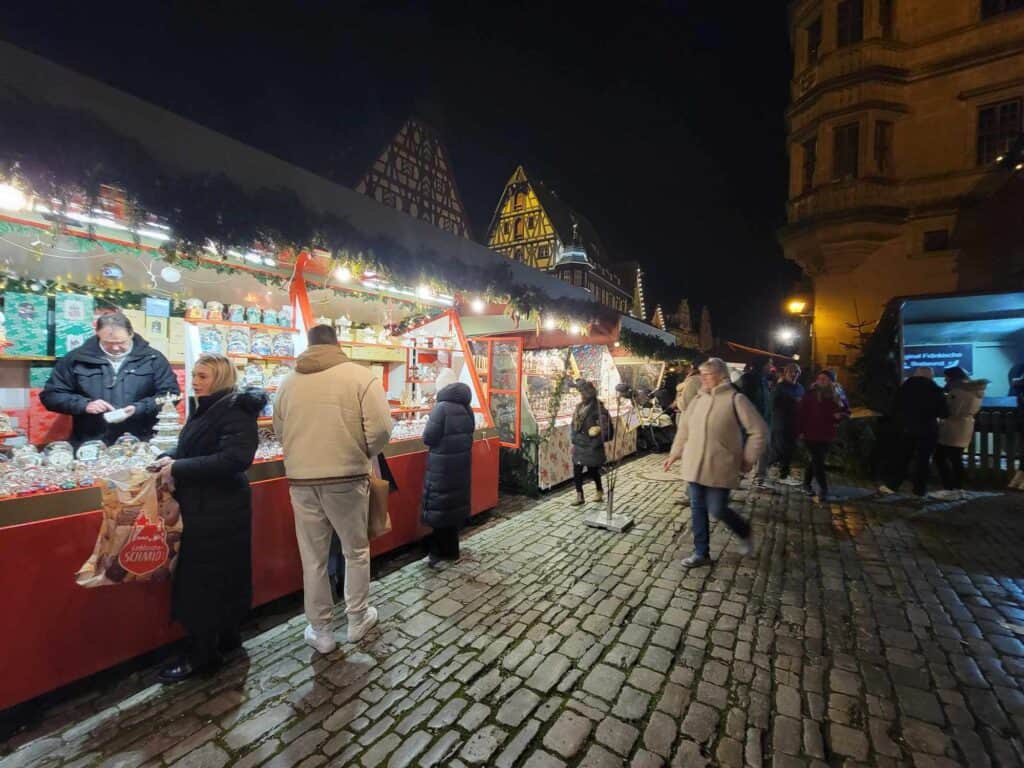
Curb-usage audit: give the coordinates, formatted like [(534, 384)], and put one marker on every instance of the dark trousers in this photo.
[(819, 455), (783, 448), (205, 648), (916, 449), (950, 461), (444, 543), (577, 477), (705, 500)]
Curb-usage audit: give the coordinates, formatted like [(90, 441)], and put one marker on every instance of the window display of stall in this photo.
[(498, 364)]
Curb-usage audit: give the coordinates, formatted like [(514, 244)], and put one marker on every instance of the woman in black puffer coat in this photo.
[(447, 486), (212, 588)]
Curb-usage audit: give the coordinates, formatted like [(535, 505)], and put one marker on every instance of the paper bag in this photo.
[(379, 522)]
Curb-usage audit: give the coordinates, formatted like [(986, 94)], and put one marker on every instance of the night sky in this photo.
[(663, 123)]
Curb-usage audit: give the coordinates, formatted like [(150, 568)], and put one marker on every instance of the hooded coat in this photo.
[(332, 418), (964, 401), (449, 436), (213, 582), (84, 374)]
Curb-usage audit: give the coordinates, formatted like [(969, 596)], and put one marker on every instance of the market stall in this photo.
[(528, 376), (53, 286)]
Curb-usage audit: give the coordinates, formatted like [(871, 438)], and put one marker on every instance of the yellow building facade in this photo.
[(899, 111)]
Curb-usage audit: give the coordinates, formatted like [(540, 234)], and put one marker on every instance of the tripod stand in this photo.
[(607, 519)]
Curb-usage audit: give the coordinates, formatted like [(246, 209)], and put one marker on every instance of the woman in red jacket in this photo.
[(821, 410)]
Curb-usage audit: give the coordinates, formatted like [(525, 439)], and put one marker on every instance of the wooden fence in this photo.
[(995, 448)]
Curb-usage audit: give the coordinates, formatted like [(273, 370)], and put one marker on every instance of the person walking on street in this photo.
[(963, 399), (591, 427), (820, 412), (332, 417), (754, 384), (785, 417), (212, 587), (719, 439), (447, 484), (686, 391), (918, 406), (115, 370)]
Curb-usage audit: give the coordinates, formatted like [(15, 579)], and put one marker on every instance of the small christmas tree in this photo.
[(167, 425)]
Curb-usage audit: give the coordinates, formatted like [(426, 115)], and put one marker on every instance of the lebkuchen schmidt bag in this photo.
[(140, 533)]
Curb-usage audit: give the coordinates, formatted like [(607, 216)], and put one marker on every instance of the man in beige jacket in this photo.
[(720, 437), (332, 418)]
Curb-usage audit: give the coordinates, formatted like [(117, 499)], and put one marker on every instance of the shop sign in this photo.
[(937, 357)]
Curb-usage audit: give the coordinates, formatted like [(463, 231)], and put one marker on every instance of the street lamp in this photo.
[(786, 335), (796, 306)]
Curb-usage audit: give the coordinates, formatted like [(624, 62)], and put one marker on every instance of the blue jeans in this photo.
[(703, 500)]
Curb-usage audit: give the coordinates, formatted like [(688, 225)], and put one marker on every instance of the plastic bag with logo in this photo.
[(140, 532)]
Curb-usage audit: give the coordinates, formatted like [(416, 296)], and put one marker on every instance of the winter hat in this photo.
[(956, 373), (828, 372)]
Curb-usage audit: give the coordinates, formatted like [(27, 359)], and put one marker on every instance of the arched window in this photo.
[(519, 202)]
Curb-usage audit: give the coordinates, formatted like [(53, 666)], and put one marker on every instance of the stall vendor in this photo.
[(109, 384)]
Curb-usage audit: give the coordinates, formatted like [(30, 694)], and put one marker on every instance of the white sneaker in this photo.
[(745, 546), (358, 627), (885, 490), (321, 639), (792, 481)]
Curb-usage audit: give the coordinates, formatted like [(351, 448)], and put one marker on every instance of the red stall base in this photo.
[(57, 632)]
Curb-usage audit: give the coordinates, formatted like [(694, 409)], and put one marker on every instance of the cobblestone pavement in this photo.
[(859, 633)]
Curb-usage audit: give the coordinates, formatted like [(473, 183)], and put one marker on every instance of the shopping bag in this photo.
[(140, 533), (378, 521)]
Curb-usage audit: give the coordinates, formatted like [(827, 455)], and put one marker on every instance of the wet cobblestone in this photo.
[(861, 633)]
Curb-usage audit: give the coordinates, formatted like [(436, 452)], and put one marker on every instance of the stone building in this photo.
[(899, 113)]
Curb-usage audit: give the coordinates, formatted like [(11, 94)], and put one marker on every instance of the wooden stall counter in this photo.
[(57, 632)]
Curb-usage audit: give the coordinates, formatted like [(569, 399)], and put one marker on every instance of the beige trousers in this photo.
[(319, 508)]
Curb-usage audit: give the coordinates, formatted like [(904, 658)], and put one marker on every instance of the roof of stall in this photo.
[(190, 148)]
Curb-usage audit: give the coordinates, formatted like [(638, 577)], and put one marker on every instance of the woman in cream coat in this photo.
[(720, 437)]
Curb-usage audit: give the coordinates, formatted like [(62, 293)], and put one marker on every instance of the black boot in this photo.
[(180, 669)]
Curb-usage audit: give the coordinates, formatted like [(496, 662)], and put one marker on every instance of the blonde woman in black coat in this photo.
[(212, 590)]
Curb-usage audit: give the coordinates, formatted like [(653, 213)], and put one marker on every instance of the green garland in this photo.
[(653, 348), (61, 154)]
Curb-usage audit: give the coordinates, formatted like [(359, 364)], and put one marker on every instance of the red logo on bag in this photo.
[(146, 550)]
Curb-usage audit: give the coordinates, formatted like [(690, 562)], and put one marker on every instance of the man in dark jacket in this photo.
[(784, 422), (115, 369), (447, 485), (754, 384), (918, 406)]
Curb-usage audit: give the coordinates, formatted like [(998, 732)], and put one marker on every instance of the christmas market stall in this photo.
[(108, 203), (52, 288), (529, 371)]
